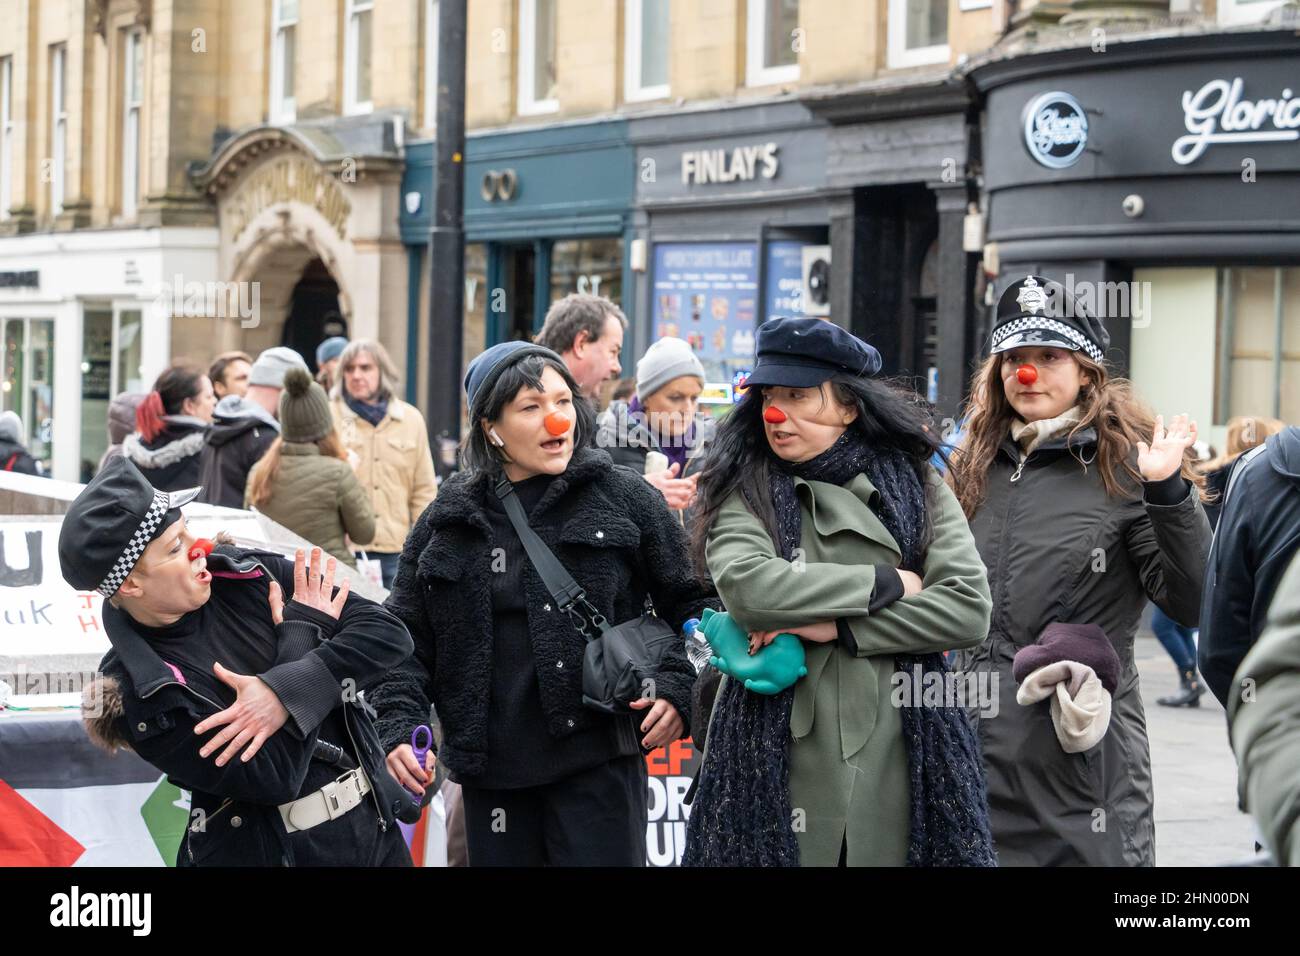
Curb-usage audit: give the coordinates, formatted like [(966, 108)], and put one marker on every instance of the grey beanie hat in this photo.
[(665, 360), (11, 427), (304, 408), (271, 365)]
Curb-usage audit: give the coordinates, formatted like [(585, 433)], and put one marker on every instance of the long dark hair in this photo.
[(170, 391), (478, 457), (889, 415)]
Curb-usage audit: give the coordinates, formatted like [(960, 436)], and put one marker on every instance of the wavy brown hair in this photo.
[(1109, 405), (263, 475)]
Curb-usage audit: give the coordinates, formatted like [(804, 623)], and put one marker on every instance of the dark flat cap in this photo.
[(801, 353)]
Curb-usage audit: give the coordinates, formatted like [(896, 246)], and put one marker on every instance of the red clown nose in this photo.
[(556, 424), (1027, 374), (202, 548), (773, 415)]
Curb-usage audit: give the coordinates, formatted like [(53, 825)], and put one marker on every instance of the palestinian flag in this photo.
[(65, 802)]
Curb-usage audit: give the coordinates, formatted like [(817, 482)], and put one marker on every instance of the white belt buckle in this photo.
[(342, 795)]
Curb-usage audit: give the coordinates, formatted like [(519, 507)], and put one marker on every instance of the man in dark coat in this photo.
[(238, 674), (13, 453), (243, 428), (1257, 535)]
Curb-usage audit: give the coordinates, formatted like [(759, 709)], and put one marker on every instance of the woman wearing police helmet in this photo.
[(1083, 505)]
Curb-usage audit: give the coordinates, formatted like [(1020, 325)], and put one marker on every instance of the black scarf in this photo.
[(741, 814), (372, 412)]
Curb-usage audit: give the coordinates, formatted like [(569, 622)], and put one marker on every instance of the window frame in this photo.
[(351, 61), (898, 56), (281, 109), (6, 135), (58, 125), (132, 121), (633, 49), (527, 103), (757, 72)]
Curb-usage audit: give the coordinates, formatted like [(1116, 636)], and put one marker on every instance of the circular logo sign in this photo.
[(1056, 130)]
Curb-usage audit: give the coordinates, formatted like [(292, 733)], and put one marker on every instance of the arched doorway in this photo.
[(314, 314)]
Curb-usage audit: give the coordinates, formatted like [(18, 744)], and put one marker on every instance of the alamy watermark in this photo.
[(218, 300)]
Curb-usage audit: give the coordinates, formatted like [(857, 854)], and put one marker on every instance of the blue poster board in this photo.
[(783, 284), (707, 294)]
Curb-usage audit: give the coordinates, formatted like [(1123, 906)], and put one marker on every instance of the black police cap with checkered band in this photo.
[(110, 524), (1037, 312)]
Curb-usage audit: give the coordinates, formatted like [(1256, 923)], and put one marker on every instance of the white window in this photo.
[(918, 32), (284, 38), (58, 125), (132, 101), (6, 134), (645, 56), (537, 57), (356, 57), (431, 65), (1233, 12), (771, 50)]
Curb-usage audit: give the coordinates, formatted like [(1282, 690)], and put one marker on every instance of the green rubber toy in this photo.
[(770, 671)]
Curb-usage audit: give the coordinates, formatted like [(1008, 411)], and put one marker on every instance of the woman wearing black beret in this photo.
[(1083, 506), (819, 515)]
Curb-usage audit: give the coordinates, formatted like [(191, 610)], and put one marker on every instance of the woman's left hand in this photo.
[(1164, 456), (662, 725), (822, 633)]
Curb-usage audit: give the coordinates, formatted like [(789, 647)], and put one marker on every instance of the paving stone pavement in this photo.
[(1194, 772)]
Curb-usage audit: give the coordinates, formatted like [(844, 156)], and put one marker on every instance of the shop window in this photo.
[(356, 57), (27, 381), (6, 134), (284, 54), (594, 266), (111, 354), (645, 55), (132, 102), (771, 50), (537, 59), (918, 32), (431, 64), (1236, 12), (1258, 345), (58, 125)]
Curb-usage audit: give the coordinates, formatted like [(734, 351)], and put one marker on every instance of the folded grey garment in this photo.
[(1080, 704)]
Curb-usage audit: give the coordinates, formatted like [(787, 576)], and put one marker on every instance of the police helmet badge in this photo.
[(1032, 297)]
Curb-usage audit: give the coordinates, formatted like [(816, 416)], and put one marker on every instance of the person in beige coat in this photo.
[(391, 445), (304, 481)]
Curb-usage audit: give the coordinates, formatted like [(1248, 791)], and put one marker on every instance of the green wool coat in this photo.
[(848, 763), (320, 499)]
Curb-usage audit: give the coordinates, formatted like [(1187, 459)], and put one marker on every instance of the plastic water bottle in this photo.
[(697, 648)]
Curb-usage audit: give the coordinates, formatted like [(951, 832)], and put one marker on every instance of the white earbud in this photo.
[(492, 433)]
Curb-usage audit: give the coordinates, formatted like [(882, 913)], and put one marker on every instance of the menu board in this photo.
[(707, 294)]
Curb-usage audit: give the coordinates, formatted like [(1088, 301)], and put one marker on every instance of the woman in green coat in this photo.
[(304, 481), (819, 515)]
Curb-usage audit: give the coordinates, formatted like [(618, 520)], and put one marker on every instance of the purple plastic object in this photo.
[(421, 749)]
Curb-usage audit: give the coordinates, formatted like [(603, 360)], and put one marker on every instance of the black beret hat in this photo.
[(801, 353), (1038, 311), (110, 524)]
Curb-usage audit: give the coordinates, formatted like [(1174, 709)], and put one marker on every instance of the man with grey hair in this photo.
[(587, 332), (243, 428), (389, 445)]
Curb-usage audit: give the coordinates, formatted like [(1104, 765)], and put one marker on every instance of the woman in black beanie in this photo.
[(545, 780)]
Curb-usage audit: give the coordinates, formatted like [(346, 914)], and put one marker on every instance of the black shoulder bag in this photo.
[(621, 662)]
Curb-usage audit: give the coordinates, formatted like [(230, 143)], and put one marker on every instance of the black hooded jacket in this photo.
[(1257, 535)]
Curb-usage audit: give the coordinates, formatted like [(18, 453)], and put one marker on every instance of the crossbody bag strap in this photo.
[(568, 594)]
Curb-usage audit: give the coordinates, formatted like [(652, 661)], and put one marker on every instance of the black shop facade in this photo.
[(1161, 182)]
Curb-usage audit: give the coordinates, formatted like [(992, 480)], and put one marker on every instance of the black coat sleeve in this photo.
[(402, 698), (353, 653), (274, 775), (676, 590), (1169, 543), (1225, 635)]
